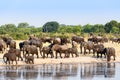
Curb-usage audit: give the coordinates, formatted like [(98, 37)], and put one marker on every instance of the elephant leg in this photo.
[(81, 47), (47, 55), (101, 55), (84, 51), (12, 62), (52, 55), (37, 55), (76, 54), (43, 55), (56, 54), (93, 52), (89, 51), (23, 53), (108, 57), (68, 55), (32, 61), (6, 60), (97, 55), (9, 61), (21, 58), (29, 61), (40, 51), (16, 61), (18, 58), (114, 57), (105, 55), (72, 54), (65, 55), (60, 55)]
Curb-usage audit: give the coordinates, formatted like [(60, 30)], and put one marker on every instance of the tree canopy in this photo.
[(23, 30), (51, 26)]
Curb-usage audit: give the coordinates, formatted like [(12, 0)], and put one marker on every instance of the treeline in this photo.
[(53, 28)]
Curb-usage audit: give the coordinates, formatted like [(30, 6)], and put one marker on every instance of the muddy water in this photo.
[(94, 71)]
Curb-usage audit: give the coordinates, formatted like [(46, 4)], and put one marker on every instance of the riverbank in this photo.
[(81, 59)]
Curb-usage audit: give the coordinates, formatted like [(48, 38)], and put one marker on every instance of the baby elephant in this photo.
[(47, 50), (72, 51), (29, 59), (110, 51), (7, 57)]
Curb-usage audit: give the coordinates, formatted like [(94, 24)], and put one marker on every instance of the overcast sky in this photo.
[(69, 12)]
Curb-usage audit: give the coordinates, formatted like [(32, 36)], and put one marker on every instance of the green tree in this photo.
[(23, 25), (115, 30), (119, 27), (98, 28), (108, 26), (2, 29), (77, 29), (10, 28), (87, 28), (51, 26)]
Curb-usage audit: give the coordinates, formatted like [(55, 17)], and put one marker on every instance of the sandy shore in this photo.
[(81, 59)]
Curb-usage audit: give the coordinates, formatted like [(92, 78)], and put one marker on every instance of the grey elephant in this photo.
[(110, 51), (29, 59), (9, 57)]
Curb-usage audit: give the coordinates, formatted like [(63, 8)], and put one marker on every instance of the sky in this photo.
[(70, 12)]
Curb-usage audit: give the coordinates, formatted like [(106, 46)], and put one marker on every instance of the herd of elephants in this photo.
[(34, 46)]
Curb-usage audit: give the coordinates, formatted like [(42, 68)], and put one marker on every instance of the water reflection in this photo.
[(11, 73), (30, 72), (60, 71), (89, 71)]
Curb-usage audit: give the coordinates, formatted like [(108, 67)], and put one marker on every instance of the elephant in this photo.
[(61, 41), (17, 52), (31, 49), (9, 57), (60, 49), (88, 45), (110, 51), (26, 42), (72, 51), (3, 46), (74, 44), (47, 50), (64, 40), (21, 44), (29, 59), (12, 44), (118, 40), (78, 39), (38, 43), (114, 40), (99, 49), (7, 40), (56, 41), (98, 39), (46, 39)]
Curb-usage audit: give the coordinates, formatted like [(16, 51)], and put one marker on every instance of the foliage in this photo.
[(53, 29), (51, 26)]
